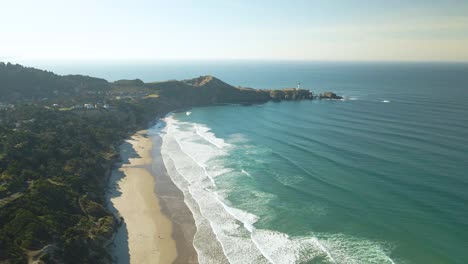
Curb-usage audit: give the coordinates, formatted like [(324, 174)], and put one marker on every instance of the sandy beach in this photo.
[(146, 234)]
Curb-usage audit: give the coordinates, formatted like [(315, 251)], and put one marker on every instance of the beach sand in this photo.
[(146, 235)]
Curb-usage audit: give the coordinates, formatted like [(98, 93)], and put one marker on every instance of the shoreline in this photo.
[(173, 205), (148, 231)]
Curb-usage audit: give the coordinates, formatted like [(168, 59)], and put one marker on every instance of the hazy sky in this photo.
[(233, 29)]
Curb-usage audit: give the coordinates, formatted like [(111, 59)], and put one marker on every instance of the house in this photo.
[(88, 106)]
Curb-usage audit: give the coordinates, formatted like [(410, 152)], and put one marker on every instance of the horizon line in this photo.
[(213, 60)]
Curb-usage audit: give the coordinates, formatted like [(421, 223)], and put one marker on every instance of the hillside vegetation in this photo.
[(53, 172)]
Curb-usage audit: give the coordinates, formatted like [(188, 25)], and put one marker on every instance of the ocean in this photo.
[(379, 177)]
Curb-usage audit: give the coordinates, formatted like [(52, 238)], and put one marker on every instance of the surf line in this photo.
[(214, 193), (248, 226), (205, 138), (194, 160), (200, 211)]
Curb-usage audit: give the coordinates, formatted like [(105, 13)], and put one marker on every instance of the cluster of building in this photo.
[(87, 106), (95, 106), (5, 106)]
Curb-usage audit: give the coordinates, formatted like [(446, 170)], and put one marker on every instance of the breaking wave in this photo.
[(193, 157)]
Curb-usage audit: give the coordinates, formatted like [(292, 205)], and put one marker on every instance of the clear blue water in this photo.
[(381, 177)]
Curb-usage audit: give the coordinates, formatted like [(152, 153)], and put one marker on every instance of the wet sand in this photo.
[(153, 230), (173, 205)]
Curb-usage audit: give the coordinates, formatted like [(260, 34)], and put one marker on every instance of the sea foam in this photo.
[(191, 154)]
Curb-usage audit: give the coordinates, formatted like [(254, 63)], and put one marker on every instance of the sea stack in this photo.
[(330, 95)]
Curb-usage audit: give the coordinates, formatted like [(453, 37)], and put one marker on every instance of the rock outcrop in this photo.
[(330, 95)]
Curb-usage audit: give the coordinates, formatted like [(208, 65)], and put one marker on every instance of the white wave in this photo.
[(188, 156), (188, 113), (246, 173), (385, 101), (350, 98), (347, 249), (205, 241), (205, 133), (322, 247), (225, 233), (282, 249)]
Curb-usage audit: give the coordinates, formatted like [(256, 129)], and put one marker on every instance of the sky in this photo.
[(156, 30)]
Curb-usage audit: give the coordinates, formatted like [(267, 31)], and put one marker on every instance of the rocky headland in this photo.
[(206, 90)]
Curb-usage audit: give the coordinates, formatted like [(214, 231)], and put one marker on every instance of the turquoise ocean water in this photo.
[(380, 177)]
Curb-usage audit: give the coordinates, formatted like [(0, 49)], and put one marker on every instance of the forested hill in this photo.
[(24, 84), (54, 166)]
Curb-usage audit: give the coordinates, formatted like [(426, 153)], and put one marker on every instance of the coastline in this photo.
[(173, 205), (146, 234)]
